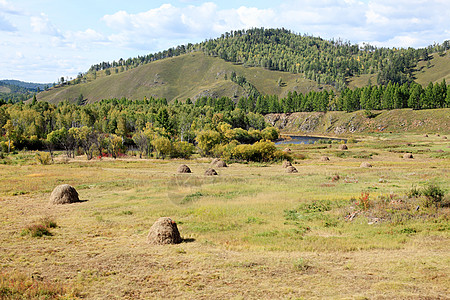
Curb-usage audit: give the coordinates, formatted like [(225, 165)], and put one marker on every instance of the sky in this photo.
[(42, 40)]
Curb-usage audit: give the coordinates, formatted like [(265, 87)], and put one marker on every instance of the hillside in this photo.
[(15, 90), (274, 61), (186, 76), (342, 123)]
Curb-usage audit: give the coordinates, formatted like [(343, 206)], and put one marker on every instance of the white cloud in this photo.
[(31, 41), (8, 8), (41, 24), (5, 25), (168, 22)]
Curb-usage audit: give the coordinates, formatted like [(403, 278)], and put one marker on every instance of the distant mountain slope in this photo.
[(31, 86), (15, 90), (186, 76)]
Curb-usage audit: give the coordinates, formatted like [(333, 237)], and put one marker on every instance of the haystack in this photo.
[(286, 164), (444, 137), (214, 161), (164, 231), (288, 150), (221, 164), (425, 135), (365, 165), (408, 155), (343, 147), (183, 169), (210, 172), (64, 194), (324, 158), (291, 169)]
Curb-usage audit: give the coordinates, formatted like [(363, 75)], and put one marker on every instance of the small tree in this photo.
[(163, 146), (115, 145)]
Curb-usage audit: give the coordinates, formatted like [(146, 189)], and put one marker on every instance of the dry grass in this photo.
[(240, 241)]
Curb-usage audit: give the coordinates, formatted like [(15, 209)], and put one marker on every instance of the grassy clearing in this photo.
[(254, 231)]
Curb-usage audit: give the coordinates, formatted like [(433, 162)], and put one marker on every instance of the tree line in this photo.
[(173, 129)]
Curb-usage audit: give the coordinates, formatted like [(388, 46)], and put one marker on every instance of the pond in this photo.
[(300, 139)]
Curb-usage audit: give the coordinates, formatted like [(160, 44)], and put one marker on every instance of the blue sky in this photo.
[(42, 40)]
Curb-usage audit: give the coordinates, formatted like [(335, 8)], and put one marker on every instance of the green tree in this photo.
[(207, 140), (163, 146)]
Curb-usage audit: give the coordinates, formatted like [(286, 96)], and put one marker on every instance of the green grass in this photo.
[(436, 72)]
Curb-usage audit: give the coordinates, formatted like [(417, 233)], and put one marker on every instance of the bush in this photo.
[(36, 230), (207, 140), (270, 133), (4, 146), (163, 146), (414, 192), (182, 149), (44, 158), (41, 228), (433, 194)]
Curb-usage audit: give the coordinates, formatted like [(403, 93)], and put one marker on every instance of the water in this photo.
[(300, 139)]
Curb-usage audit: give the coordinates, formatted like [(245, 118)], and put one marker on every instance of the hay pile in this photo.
[(365, 165), (183, 169), (218, 163), (288, 150), (426, 135), (291, 169), (64, 194), (343, 147), (324, 158), (164, 231), (210, 172), (408, 156), (286, 164), (214, 161), (444, 137)]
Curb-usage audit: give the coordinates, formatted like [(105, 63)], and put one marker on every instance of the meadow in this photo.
[(333, 230)]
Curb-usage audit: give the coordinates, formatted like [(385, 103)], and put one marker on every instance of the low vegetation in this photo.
[(293, 235)]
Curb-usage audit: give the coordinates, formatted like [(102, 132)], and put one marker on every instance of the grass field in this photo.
[(254, 231)]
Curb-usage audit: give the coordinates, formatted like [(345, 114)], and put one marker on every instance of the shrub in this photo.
[(36, 230), (364, 201), (4, 146), (414, 192), (433, 194), (21, 286), (207, 140), (270, 133), (44, 158), (41, 228), (163, 146), (182, 149)]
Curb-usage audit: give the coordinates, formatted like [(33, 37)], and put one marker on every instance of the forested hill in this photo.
[(15, 90), (325, 61), (330, 62), (255, 62)]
